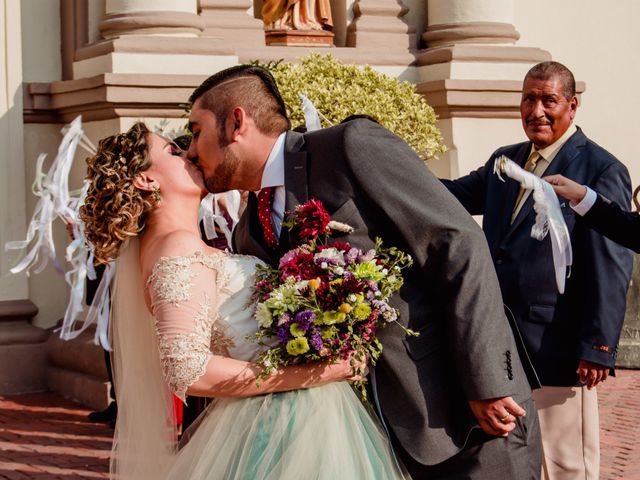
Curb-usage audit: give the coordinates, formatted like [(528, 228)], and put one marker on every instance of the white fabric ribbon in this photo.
[(549, 217), (311, 117), (211, 214), (57, 201)]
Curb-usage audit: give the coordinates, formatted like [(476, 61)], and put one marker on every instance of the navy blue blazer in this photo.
[(606, 217), (584, 322)]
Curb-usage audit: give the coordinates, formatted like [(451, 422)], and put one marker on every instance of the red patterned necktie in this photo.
[(265, 199)]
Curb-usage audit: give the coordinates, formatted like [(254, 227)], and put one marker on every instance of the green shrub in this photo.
[(338, 90)]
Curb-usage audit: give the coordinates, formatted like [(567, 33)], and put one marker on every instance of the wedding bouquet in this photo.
[(325, 301)]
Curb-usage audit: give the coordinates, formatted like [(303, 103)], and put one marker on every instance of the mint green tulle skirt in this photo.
[(314, 434)]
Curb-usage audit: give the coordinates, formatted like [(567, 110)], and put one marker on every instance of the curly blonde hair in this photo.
[(114, 208)]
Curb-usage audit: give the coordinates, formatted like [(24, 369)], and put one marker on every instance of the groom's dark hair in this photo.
[(248, 86)]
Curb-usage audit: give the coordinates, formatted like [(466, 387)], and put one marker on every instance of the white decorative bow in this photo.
[(549, 217)]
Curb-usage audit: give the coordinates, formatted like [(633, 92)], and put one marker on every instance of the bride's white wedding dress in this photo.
[(202, 306)]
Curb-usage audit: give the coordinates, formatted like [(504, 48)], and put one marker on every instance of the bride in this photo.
[(181, 313)]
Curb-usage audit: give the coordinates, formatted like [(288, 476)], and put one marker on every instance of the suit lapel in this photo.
[(295, 182)]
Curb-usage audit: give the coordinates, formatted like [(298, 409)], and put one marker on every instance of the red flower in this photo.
[(312, 219)]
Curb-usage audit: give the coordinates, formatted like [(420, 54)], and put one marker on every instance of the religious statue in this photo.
[(297, 15)]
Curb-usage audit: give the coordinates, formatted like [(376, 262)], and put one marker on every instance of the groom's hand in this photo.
[(497, 416)]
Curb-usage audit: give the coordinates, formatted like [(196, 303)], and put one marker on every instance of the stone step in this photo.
[(85, 389), (77, 370)]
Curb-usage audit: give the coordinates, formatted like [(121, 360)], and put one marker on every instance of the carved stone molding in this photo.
[(151, 22), (482, 53), (109, 95), (470, 32), (476, 98)]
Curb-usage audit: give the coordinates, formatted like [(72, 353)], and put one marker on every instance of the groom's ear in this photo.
[(142, 181), (236, 123)]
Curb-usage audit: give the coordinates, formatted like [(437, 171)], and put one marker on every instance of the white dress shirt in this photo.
[(273, 176), (586, 203)]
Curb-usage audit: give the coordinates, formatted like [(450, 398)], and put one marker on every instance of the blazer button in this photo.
[(499, 261)]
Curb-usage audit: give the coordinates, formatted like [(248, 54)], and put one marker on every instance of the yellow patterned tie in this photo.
[(530, 166)]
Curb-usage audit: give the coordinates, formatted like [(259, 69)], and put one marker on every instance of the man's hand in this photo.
[(497, 416), (572, 191), (591, 373)]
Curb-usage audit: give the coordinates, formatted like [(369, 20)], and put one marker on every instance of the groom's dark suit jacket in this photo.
[(373, 181), (585, 322)]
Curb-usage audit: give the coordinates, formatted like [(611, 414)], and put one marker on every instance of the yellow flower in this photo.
[(345, 308), (297, 346), (329, 333), (330, 318), (295, 330), (314, 283), (362, 311)]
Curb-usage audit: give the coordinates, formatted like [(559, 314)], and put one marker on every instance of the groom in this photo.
[(453, 398)]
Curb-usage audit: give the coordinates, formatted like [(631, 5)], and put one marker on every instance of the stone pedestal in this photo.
[(23, 355), (378, 24), (230, 20), (299, 38), (629, 347)]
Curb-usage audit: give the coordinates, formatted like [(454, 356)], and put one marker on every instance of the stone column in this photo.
[(230, 20), (153, 37), (159, 17), (470, 21), (471, 69), (13, 183), (379, 24), (22, 347)]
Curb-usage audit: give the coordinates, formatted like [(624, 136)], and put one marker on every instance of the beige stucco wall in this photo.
[(599, 42)]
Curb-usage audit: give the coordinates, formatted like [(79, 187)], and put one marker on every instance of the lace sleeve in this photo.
[(183, 292)]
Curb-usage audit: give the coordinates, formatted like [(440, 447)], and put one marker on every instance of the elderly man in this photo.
[(571, 338)]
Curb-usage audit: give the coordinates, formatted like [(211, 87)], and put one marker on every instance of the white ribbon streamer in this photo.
[(311, 117), (549, 217), (57, 201), (211, 214)]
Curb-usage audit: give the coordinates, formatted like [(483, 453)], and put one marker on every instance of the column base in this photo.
[(23, 354), (629, 348), (299, 38)]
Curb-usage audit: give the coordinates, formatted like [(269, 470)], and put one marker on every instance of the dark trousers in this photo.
[(516, 457)]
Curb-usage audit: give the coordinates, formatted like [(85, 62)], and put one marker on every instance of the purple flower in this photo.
[(352, 255), (283, 335), (389, 313), (370, 255), (285, 319), (316, 339), (304, 319)]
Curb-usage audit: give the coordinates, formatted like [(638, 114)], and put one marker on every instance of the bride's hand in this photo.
[(350, 369)]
